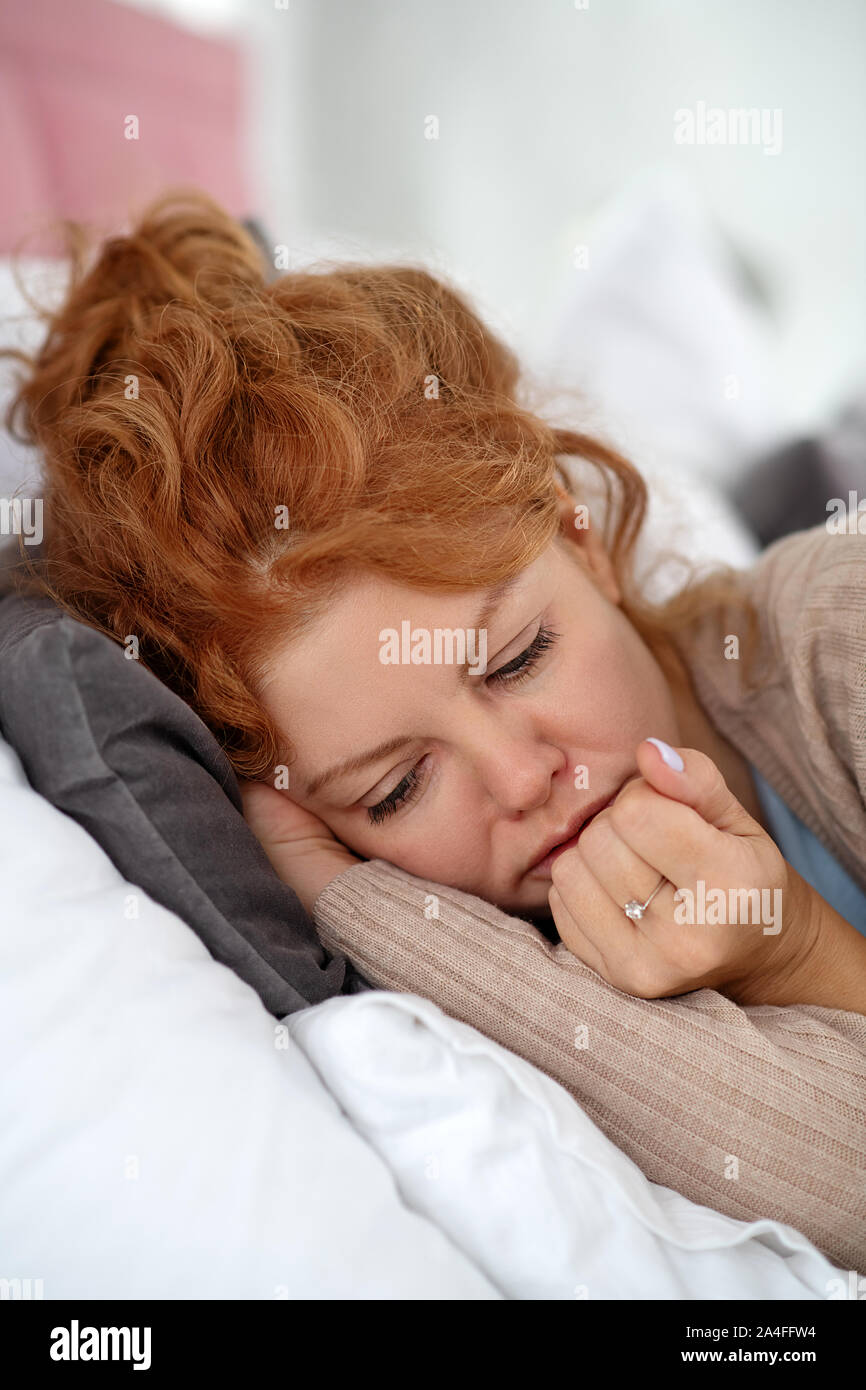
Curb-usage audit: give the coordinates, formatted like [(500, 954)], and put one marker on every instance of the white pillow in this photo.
[(506, 1161), (661, 330), (655, 345), (157, 1140)]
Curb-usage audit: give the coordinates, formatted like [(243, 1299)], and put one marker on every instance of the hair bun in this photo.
[(185, 244), (185, 255)]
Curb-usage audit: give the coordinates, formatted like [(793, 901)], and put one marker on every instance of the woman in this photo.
[(319, 510)]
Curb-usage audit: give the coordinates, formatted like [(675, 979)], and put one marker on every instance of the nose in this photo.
[(515, 762)]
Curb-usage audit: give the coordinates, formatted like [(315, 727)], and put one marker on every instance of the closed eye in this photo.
[(521, 665), (514, 671)]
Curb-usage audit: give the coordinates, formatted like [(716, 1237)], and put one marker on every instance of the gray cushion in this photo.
[(111, 746)]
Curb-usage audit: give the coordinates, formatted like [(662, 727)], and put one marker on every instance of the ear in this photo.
[(577, 529)]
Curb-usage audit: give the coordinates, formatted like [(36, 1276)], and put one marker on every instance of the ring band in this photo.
[(636, 910)]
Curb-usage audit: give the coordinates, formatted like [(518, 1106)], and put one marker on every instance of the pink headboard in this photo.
[(70, 76)]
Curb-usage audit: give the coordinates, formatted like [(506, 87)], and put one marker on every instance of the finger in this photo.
[(671, 837), (600, 934), (623, 873), (699, 785), (593, 923), (673, 841), (621, 862), (572, 935)]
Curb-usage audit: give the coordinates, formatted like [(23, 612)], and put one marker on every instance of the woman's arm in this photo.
[(756, 1111), (830, 971)]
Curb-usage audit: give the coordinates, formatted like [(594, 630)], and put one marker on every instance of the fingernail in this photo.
[(670, 755)]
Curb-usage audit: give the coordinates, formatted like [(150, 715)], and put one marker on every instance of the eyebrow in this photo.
[(391, 745)]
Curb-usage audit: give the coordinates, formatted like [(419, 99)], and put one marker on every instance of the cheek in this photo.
[(612, 682), (441, 841), (593, 682)]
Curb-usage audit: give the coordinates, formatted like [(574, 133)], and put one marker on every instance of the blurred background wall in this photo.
[(546, 109)]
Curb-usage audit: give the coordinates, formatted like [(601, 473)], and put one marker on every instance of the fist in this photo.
[(731, 913)]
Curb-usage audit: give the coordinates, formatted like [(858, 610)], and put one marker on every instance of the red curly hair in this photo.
[(222, 448)]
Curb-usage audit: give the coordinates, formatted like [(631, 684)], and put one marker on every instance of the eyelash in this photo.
[(512, 673)]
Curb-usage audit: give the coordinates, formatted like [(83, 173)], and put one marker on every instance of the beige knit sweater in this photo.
[(757, 1111)]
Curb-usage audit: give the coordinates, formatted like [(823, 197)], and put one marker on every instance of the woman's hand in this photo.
[(690, 828), (301, 848)]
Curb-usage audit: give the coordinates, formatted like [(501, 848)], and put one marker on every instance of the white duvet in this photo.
[(161, 1135)]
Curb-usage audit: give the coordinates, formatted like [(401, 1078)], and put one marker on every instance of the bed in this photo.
[(163, 1135)]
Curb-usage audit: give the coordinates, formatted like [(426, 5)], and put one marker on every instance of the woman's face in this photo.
[(470, 779)]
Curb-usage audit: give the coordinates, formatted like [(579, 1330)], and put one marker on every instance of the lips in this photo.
[(571, 834)]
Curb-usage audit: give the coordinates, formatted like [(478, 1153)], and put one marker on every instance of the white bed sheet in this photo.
[(504, 1160)]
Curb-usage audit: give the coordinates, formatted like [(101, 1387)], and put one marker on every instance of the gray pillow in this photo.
[(111, 746)]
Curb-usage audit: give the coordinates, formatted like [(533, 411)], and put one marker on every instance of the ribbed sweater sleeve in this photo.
[(757, 1111)]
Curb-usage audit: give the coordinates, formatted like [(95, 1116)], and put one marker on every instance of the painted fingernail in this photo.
[(670, 755)]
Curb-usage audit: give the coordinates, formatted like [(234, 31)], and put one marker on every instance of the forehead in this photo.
[(343, 647)]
